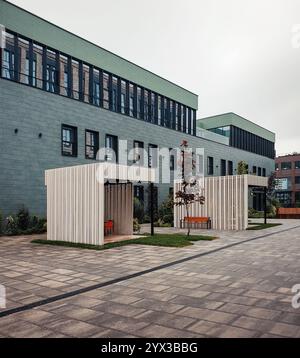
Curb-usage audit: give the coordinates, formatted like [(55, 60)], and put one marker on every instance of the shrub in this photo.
[(252, 213), (42, 224), (23, 219), (161, 223), (138, 210), (23, 224), (34, 221), (271, 211), (136, 225), (166, 211), (11, 226)]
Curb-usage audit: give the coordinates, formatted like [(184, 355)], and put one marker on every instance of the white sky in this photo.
[(237, 55)]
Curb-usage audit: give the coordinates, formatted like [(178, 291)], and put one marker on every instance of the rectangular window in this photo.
[(105, 90), (96, 87), (259, 171), (131, 100), (189, 119), (69, 141), (159, 110), (297, 180), (138, 153), (91, 144), (51, 72), (114, 94), (123, 97), (64, 75), (75, 79), (210, 165), (37, 80), (230, 167), (23, 52), (172, 119), (86, 83), (172, 159), (166, 115), (139, 103), (297, 165), (264, 172), (152, 155), (183, 113), (8, 62), (223, 168), (177, 116), (146, 105), (194, 120), (152, 108), (111, 145), (254, 170)]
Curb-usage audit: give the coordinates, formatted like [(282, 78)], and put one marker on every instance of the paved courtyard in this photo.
[(242, 290)]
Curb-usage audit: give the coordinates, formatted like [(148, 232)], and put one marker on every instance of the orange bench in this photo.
[(195, 220), (288, 213)]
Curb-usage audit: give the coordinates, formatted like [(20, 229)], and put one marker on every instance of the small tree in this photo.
[(242, 168), (272, 202), (189, 192)]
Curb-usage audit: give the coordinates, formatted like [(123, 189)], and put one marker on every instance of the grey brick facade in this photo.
[(24, 156)]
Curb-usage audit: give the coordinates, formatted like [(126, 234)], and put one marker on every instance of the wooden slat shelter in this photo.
[(226, 201), (79, 200)]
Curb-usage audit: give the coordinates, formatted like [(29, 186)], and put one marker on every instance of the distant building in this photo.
[(288, 186)]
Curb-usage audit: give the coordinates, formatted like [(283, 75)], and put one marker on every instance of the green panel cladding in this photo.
[(40, 30)]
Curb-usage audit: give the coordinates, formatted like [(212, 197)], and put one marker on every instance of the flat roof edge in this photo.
[(241, 117)]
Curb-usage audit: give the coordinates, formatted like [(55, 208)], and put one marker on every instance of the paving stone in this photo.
[(244, 291), (262, 313), (253, 324), (157, 331), (165, 319), (286, 330)]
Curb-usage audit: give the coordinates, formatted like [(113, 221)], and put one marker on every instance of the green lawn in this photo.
[(167, 240), (262, 226)]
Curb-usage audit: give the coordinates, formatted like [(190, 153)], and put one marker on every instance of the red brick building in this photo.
[(288, 188)]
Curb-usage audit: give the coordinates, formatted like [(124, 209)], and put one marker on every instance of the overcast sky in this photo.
[(239, 56)]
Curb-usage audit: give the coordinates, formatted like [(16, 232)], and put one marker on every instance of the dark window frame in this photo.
[(152, 162), (52, 66), (74, 142), (210, 166), (223, 169), (116, 143), (230, 167), (95, 147), (140, 160)]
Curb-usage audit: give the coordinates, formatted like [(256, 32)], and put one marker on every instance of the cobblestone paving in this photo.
[(242, 291)]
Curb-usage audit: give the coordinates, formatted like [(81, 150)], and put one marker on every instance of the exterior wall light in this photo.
[(40, 135), (16, 131)]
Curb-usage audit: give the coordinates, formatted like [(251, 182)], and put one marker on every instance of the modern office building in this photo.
[(63, 97), (288, 184)]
